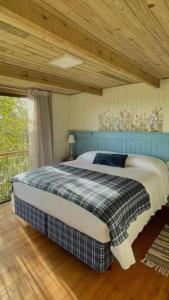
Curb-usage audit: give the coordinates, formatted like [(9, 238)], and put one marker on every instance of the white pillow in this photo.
[(90, 155), (138, 161), (152, 164)]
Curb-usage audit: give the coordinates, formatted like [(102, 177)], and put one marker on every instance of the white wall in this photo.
[(80, 112), (85, 108), (61, 124)]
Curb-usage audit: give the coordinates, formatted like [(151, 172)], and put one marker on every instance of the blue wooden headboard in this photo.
[(146, 143)]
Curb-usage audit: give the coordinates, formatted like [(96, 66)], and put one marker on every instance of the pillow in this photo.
[(113, 160), (151, 164), (90, 155), (87, 156)]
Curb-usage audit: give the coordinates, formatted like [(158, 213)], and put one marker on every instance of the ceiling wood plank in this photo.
[(27, 53), (116, 24), (24, 74), (31, 18)]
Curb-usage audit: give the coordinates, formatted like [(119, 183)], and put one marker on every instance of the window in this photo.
[(13, 141)]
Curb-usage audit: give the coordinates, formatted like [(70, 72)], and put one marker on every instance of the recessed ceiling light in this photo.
[(66, 61)]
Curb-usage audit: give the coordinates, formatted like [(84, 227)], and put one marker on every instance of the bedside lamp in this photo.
[(71, 141)]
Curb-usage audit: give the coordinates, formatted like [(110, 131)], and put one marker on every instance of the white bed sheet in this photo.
[(82, 220)]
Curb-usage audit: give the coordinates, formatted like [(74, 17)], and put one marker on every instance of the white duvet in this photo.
[(151, 172)]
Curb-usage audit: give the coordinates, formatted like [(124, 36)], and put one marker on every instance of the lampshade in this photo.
[(71, 139)]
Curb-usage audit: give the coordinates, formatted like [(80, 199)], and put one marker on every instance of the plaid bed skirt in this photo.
[(95, 254), (31, 214)]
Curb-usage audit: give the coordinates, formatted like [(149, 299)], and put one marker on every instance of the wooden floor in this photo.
[(33, 267)]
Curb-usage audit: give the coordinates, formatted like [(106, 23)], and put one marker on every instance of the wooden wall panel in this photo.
[(152, 144), (138, 98)]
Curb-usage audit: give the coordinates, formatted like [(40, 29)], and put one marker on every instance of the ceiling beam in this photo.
[(28, 16), (11, 91), (28, 75)]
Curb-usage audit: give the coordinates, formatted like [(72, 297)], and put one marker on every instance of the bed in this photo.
[(77, 229)]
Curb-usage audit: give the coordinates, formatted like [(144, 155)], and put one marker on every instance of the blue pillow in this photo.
[(113, 160)]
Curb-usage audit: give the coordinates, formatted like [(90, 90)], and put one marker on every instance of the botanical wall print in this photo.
[(129, 120)]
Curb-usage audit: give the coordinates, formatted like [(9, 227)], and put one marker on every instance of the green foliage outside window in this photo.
[(13, 137)]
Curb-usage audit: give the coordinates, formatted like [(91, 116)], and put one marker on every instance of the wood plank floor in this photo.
[(33, 267)]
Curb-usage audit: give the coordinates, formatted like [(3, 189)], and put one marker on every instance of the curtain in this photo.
[(40, 128)]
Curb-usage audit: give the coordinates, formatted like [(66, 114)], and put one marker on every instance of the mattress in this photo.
[(85, 222)]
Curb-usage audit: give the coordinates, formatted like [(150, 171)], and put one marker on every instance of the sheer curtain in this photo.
[(40, 128)]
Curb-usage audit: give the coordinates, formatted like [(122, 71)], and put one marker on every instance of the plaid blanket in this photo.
[(116, 200)]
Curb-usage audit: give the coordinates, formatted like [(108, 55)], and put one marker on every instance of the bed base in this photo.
[(95, 254)]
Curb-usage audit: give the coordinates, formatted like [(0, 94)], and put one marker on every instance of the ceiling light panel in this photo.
[(66, 61)]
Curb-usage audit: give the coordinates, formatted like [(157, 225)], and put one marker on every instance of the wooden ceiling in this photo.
[(119, 41)]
